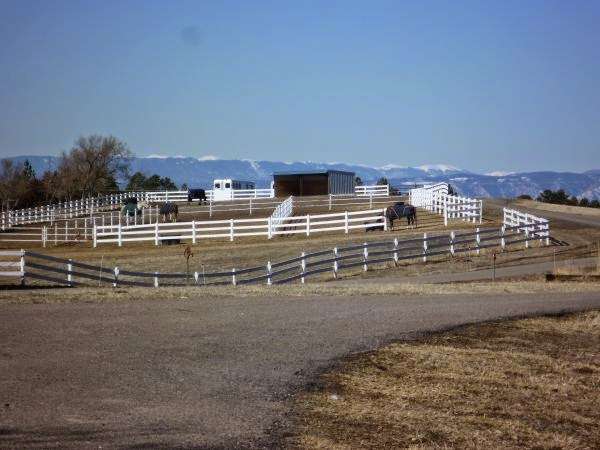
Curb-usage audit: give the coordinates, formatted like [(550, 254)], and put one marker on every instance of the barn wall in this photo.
[(313, 184), (341, 183)]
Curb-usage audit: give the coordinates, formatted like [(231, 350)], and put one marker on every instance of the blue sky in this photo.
[(482, 85)]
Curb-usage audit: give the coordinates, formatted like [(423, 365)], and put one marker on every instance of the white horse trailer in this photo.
[(224, 189)]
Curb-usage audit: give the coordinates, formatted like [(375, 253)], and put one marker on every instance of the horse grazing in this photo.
[(130, 207), (169, 211), (400, 210)]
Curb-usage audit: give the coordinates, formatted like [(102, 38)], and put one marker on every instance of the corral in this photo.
[(294, 251)]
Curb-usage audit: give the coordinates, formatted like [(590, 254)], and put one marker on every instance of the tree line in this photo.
[(561, 197), (91, 167)]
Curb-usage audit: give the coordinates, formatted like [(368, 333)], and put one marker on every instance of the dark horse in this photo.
[(169, 211), (400, 210), (197, 194)]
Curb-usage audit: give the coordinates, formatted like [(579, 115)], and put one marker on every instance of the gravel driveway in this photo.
[(201, 372)]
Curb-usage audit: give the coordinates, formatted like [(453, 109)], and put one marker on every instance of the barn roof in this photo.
[(312, 172)]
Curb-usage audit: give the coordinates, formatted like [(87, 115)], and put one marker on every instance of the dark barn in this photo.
[(313, 183)]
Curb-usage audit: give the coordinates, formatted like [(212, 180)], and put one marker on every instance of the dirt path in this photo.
[(201, 372)]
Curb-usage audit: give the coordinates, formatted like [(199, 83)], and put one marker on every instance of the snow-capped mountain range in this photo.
[(199, 172)]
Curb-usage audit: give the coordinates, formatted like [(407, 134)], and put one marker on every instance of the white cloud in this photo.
[(208, 158)]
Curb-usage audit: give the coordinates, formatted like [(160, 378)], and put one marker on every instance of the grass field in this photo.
[(185, 293), (531, 383)]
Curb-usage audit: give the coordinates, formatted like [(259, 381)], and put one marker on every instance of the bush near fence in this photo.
[(66, 272)]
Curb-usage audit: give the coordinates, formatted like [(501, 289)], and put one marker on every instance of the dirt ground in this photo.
[(531, 383)]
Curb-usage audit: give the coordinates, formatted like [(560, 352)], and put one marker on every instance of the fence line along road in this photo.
[(435, 198), (36, 266), (207, 229)]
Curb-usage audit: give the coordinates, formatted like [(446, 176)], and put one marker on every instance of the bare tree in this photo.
[(14, 184), (92, 167)]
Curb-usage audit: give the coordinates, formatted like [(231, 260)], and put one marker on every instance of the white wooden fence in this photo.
[(527, 223), (377, 190), (232, 228), (435, 198), (12, 264), (67, 272), (284, 210)]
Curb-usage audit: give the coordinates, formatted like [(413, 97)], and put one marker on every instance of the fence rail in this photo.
[(377, 190), (527, 223), (67, 272), (207, 229)]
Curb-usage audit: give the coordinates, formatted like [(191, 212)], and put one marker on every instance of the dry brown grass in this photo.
[(531, 383), (594, 212), (196, 293)]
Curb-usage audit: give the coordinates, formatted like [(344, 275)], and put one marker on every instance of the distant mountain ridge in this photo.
[(200, 172)]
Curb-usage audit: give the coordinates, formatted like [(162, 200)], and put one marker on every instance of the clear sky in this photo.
[(483, 85)]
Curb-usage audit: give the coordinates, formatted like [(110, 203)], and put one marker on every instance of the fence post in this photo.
[(44, 235), (477, 240), (233, 280), (547, 232), (69, 269), (346, 222), (330, 197), (424, 247), (155, 279), (250, 206), (269, 281), (156, 233), (66, 231), (365, 256), (480, 211), (335, 263), (95, 235), (527, 237), (210, 208), (502, 240), (395, 252), (370, 200), (116, 275), (270, 227), (308, 224), (120, 235), (303, 266), (445, 206), (231, 229), (452, 243), (22, 267), (193, 231), (385, 224)]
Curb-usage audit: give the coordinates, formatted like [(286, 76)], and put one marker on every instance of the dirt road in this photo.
[(201, 372)]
